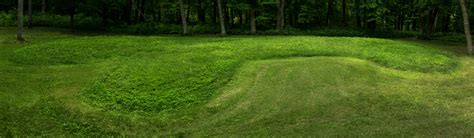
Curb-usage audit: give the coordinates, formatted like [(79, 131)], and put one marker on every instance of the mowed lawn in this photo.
[(89, 84)]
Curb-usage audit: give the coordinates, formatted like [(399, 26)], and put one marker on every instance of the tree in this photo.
[(221, 17), (183, 17), (141, 11), (19, 36), (201, 11), (104, 12), (467, 29), (281, 14), (128, 12), (344, 12), (72, 11), (30, 11), (43, 6), (330, 12), (253, 10), (357, 6)]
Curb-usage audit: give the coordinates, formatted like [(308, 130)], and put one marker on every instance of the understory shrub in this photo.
[(8, 19), (160, 28), (84, 22), (342, 32)]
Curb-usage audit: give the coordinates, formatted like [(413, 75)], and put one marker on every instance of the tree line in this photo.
[(424, 16)]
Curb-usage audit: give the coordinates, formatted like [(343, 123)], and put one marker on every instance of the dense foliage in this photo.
[(299, 16)]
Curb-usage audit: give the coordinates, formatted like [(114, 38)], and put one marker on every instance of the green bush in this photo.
[(204, 29), (342, 32), (8, 19), (450, 37), (147, 29), (159, 28), (51, 20), (80, 21)]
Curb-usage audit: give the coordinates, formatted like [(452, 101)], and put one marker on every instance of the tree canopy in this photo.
[(426, 16)]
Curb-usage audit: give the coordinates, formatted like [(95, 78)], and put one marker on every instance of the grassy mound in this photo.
[(337, 96), (164, 73), (61, 84)]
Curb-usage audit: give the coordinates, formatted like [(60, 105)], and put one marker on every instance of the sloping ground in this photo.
[(109, 85), (340, 96), (156, 74)]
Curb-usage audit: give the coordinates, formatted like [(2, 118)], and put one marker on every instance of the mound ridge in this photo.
[(156, 74)]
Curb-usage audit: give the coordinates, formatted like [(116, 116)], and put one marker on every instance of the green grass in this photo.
[(62, 83)]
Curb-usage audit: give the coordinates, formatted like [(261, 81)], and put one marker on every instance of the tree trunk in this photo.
[(241, 18), (221, 17), (281, 14), (225, 12), (137, 12), (467, 29), (215, 13), (428, 29), (30, 13), (402, 21), (344, 12), (446, 23), (128, 12), (104, 13), (201, 12), (72, 10), (142, 11), (357, 6), (364, 18), (330, 12), (188, 11), (43, 6), (253, 26), (19, 35), (183, 17), (384, 16), (158, 15)]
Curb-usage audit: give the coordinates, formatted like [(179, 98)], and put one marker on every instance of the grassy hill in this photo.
[(62, 83)]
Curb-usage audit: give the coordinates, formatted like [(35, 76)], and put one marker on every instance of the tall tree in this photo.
[(43, 6), (253, 10), (281, 14), (30, 13), (201, 11), (128, 12), (467, 29), (72, 10), (19, 36), (221, 17), (344, 12), (214, 12), (357, 6), (330, 12), (183, 17), (104, 12), (141, 12)]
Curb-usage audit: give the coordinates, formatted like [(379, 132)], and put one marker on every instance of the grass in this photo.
[(62, 83)]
